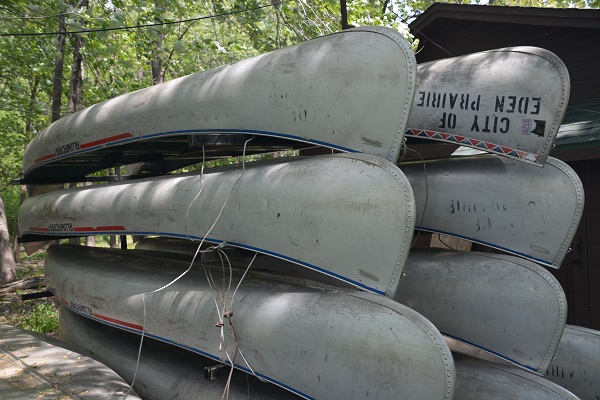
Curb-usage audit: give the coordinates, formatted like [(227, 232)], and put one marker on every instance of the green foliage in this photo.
[(199, 36), (32, 270), (11, 195), (41, 317), (12, 144), (238, 160)]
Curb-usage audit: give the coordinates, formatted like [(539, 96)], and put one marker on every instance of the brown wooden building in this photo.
[(447, 30)]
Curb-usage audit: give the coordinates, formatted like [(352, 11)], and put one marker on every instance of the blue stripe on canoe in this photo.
[(193, 349), (490, 351), (211, 240), (200, 131), (527, 256)]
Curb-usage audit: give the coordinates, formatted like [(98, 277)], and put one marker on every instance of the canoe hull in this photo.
[(501, 203), (311, 340), (509, 101), (479, 379), (510, 307), (297, 209), (165, 371), (576, 365), (351, 91)]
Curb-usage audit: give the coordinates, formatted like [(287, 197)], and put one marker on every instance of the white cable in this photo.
[(403, 148), (198, 195), (139, 352), (242, 278), (226, 294), (193, 259)]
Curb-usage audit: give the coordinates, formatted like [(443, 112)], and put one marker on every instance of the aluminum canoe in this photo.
[(501, 203), (350, 216), (576, 365), (510, 307), (479, 379), (351, 91), (165, 371), (509, 101), (314, 340)]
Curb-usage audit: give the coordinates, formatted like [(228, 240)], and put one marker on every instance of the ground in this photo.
[(38, 315)]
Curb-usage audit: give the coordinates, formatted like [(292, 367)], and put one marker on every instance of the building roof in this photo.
[(580, 129), (446, 30)]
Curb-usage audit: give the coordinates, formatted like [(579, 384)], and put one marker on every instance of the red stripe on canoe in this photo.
[(35, 229), (106, 140), (99, 229), (90, 144), (119, 322), (47, 157)]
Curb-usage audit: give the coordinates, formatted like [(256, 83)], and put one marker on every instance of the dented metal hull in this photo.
[(314, 340), (165, 371), (510, 308), (299, 93), (348, 216), (576, 365), (509, 101), (479, 379), (501, 203), (507, 306)]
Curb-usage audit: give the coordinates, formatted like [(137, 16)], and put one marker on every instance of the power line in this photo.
[(120, 28)]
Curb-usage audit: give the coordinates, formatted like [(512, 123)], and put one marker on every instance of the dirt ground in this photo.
[(38, 314)]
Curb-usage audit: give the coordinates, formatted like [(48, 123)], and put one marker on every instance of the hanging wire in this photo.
[(130, 27), (190, 265)]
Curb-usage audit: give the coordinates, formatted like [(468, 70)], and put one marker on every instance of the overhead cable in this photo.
[(129, 27)]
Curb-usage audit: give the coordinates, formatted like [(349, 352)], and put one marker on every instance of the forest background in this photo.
[(59, 56)]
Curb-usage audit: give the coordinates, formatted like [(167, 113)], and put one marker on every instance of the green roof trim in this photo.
[(580, 127)]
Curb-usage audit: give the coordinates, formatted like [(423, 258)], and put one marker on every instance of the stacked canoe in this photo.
[(300, 273)]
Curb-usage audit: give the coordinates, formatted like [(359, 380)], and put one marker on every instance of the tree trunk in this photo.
[(8, 267), (30, 248), (76, 81), (58, 68), (156, 63), (31, 108), (114, 241), (29, 283), (344, 14), (16, 244)]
